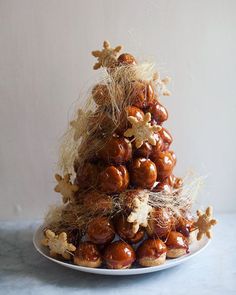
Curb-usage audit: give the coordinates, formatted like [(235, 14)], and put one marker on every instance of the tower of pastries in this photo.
[(124, 204)]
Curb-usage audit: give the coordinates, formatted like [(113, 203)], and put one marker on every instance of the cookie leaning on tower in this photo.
[(122, 202)]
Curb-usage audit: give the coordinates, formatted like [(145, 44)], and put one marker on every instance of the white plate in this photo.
[(195, 249)]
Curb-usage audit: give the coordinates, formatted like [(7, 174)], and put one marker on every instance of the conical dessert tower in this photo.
[(122, 204)]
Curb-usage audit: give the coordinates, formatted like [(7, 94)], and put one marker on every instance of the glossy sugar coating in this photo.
[(132, 157)]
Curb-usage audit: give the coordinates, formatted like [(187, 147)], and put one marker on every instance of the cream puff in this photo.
[(87, 254), (125, 230), (177, 245), (151, 252), (160, 223), (100, 230)]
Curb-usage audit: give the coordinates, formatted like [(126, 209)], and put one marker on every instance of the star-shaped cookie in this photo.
[(142, 130), (162, 84), (58, 244), (141, 210), (107, 56), (80, 124), (204, 223), (65, 187)]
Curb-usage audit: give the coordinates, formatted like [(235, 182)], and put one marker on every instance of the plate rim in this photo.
[(130, 271)]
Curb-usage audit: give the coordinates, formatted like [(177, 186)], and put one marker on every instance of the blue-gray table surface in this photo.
[(24, 271)]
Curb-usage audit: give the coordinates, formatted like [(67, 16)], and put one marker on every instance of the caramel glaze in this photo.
[(152, 248), (143, 173), (160, 223), (142, 94), (159, 112), (144, 151), (176, 240), (126, 59), (168, 183), (174, 181), (162, 186), (166, 137), (165, 162), (119, 255), (116, 150), (113, 179), (124, 123), (100, 230), (87, 251), (185, 226), (125, 230), (173, 157), (159, 147), (147, 149)]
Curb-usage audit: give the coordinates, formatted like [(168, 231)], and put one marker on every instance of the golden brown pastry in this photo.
[(144, 151), (147, 149), (159, 112), (119, 255), (162, 186), (100, 230), (173, 157), (117, 150), (143, 173), (168, 183), (166, 137), (177, 245), (142, 94), (160, 223), (165, 162), (184, 226), (125, 230), (174, 181), (178, 182), (113, 179), (151, 252), (126, 59), (124, 123), (87, 254)]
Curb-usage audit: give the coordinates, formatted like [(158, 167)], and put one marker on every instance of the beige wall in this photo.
[(45, 61)]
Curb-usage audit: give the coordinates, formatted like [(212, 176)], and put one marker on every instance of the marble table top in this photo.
[(24, 271)]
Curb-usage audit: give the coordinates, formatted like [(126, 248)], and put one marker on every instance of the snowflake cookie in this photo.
[(142, 130), (65, 187), (106, 57), (141, 210), (204, 223), (58, 244)]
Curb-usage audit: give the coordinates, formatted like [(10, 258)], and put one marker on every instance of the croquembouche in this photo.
[(122, 205)]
